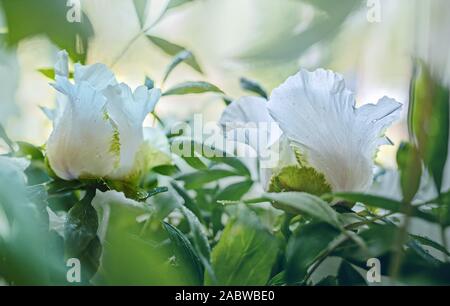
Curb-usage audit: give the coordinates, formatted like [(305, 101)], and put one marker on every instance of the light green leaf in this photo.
[(245, 253), (410, 166), (6, 139), (140, 7), (234, 192), (173, 49), (300, 203), (180, 57), (198, 179), (192, 88)]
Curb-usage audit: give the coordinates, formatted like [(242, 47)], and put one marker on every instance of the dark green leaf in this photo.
[(381, 202), (188, 201), (253, 87), (185, 254), (156, 191), (174, 49), (304, 247), (81, 226), (430, 243), (245, 253), (348, 276), (192, 88)]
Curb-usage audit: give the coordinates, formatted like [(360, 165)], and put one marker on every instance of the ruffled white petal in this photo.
[(317, 113), (62, 64), (80, 143), (127, 110), (247, 120), (97, 75)]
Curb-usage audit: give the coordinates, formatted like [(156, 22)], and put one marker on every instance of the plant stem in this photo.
[(401, 239)]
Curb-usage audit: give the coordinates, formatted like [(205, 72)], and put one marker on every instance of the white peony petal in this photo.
[(317, 113), (250, 113), (82, 141), (62, 64), (128, 111), (97, 75)]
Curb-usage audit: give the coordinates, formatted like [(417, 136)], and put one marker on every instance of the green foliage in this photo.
[(305, 247), (192, 88), (27, 18), (252, 86), (410, 165), (245, 253), (173, 50), (430, 121), (305, 204)]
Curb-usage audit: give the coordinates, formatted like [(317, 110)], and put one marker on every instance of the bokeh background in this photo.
[(264, 40)]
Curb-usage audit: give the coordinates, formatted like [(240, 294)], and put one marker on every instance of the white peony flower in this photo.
[(97, 125), (322, 127)]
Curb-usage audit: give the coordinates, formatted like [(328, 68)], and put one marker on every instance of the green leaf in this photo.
[(140, 7), (190, 149), (188, 201), (234, 192), (50, 73), (304, 247), (156, 191), (410, 166), (185, 253), (198, 179), (80, 235), (430, 243), (173, 49), (348, 276), (177, 3), (192, 88), (430, 121), (245, 252), (200, 242), (253, 86), (300, 203), (61, 186), (149, 83), (6, 139), (180, 57), (379, 240), (383, 203), (27, 18)]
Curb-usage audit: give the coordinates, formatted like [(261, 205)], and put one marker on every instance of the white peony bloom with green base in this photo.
[(98, 126), (334, 142)]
